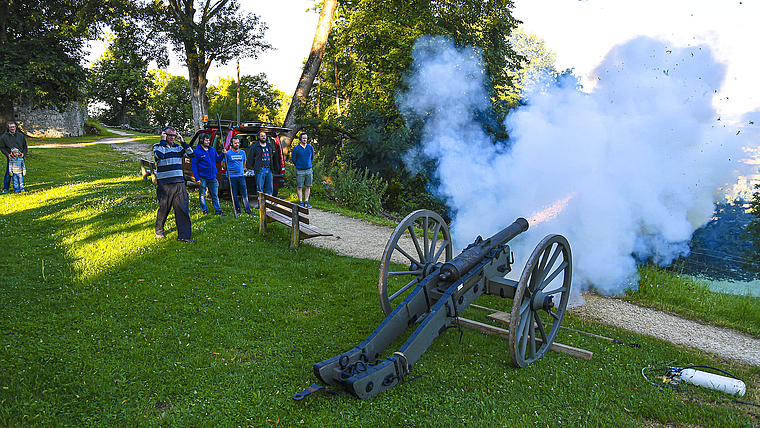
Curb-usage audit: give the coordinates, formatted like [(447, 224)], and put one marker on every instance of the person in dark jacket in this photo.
[(261, 161), (204, 172), (171, 191), (10, 139)]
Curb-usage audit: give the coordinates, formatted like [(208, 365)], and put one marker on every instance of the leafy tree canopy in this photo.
[(41, 49), (259, 99), (169, 102), (119, 78), (203, 32)]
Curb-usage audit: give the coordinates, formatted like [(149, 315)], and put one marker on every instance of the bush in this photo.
[(93, 127), (357, 190), (320, 177)]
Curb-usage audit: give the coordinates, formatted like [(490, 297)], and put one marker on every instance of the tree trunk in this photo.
[(310, 69), (6, 111), (123, 118), (198, 88)]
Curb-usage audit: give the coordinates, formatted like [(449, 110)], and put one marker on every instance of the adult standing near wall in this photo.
[(204, 171), (10, 139), (171, 191), (302, 157), (260, 158)]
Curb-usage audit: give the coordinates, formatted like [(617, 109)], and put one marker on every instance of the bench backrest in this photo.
[(284, 207)]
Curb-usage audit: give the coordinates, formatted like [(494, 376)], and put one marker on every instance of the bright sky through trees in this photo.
[(580, 32)]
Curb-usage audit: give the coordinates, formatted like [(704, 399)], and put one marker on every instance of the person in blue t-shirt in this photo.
[(236, 169), (204, 173), (302, 157)]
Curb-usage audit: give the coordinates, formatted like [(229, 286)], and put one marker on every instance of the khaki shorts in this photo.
[(304, 177)]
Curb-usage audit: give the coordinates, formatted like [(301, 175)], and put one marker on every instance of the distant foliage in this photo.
[(358, 189), (753, 232), (259, 99), (169, 102)]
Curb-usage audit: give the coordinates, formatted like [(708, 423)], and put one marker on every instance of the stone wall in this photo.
[(49, 122)]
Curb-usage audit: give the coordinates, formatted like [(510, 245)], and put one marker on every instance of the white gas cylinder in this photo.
[(713, 381)]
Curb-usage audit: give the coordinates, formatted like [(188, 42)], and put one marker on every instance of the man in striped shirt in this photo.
[(171, 191)]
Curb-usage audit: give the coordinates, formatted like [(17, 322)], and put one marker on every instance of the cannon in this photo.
[(433, 289)]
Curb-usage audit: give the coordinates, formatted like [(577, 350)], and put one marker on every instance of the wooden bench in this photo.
[(290, 214), (148, 169)]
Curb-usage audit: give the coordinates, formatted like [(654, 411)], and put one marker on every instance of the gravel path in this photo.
[(359, 238)]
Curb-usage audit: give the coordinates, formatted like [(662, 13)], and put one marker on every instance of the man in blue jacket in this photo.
[(171, 191), (204, 171), (236, 169), (302, 157)]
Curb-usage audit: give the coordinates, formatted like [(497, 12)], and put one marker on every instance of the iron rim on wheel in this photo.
[(428, 248), (540, 300)]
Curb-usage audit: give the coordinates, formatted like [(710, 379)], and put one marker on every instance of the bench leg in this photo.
[(262, 214), (296, 229)]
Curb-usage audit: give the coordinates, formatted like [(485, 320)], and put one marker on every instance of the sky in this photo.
[(580, 32)]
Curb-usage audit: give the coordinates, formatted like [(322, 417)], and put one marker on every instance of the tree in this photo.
[(259, 99), (169, 102), (535, 68), (752, 232), (41, 49), (220, 32), (310, 68), (119, 78), (367, 59)]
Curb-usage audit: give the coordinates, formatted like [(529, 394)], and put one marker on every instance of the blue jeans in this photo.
[(18, 183), (239, 187), (264, 181), (213, 189), (7, 179)]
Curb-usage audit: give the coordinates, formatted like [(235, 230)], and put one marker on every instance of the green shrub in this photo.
[(357, 190), (320, 177), (93, 127)]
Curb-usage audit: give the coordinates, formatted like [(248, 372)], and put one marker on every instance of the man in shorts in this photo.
[(302, 157)]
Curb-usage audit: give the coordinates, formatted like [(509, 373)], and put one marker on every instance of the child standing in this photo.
[(17, 168)]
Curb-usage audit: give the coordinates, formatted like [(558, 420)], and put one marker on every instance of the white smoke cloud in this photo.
[(626, 171)]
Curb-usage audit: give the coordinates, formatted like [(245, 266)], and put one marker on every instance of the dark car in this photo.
[(248, 133)]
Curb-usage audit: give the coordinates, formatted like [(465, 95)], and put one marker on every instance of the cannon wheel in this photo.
[(424, 251), (536, 316)]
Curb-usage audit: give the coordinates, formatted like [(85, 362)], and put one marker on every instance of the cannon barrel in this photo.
[(474, 254)]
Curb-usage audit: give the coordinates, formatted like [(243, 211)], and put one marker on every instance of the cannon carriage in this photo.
[(434, 288)]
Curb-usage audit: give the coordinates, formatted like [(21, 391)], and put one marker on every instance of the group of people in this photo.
[(14, 148), (172, 193)]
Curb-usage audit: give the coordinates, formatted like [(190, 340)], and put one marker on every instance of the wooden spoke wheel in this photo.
[(421, 241), (540, 300)]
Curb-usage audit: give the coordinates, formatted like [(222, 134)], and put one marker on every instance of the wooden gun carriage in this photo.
[(436, 288)]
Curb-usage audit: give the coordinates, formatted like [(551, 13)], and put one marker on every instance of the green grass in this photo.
[(693, 299), (101, 324)]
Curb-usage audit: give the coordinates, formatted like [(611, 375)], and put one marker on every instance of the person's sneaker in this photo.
[(5, 190), (221, 213), (188, 240), (307, 204), (248, 212), (159, 236), (205, 212), (300, 203)]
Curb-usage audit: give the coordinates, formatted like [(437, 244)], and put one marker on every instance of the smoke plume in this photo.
[(627, 171)]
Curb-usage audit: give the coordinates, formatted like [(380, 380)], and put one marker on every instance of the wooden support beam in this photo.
[(489, 329)]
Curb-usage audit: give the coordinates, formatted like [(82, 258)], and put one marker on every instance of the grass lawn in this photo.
[(101, 324)]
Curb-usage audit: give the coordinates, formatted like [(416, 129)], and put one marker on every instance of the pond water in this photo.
[(742, 288)]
